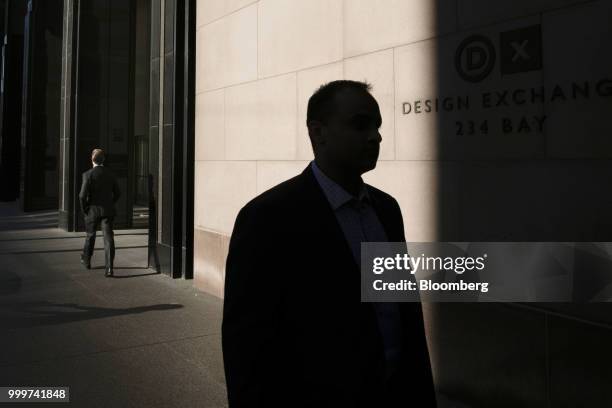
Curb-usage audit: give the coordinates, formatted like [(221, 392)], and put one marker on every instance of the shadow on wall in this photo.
[(10, 283), (522, 155)]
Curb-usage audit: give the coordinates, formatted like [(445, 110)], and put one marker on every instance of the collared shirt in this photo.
[(96, 164), (359, 223)]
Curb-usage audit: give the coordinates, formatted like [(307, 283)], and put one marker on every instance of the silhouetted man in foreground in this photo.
[(99, 193), (295, 332)]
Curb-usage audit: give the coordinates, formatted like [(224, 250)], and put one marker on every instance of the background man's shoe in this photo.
[(86, 261), (109, 272)]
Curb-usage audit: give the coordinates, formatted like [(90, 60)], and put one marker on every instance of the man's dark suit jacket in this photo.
[(99, 190), (295, 332)]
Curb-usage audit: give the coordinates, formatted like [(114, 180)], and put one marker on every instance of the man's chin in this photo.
[(368, 166)]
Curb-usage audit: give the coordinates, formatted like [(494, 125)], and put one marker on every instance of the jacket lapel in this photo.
[(325, 220), (384, 213)]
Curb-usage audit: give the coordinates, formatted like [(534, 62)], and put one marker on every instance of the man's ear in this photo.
[(317, 133)]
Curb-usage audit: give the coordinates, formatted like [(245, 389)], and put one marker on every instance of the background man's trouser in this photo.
[(91, 225)]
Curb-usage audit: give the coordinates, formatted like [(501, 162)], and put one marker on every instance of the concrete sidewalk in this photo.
[(137, 340)]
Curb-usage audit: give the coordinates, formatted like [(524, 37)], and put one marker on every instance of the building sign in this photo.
[(521, 50), (475, 58), (500, 98), (492, 95)]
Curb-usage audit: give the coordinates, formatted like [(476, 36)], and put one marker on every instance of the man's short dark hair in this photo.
[(97, 156), (321, 103)]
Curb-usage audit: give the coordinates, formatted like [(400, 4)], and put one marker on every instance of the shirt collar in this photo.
[(336, 195), (96, 165)]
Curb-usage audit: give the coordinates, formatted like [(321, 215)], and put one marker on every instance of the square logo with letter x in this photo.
[(521, 50)]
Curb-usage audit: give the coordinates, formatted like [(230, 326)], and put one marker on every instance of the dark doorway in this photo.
[(141, 68), (11, 86), (113, 93), (41, 105)]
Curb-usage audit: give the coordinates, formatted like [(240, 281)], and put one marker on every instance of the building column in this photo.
[(171, 137), (67, 115)]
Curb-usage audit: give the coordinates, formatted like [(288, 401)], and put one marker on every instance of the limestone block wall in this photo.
[(496, 125)]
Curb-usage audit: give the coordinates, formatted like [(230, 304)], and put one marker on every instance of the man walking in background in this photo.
[(99, 193)]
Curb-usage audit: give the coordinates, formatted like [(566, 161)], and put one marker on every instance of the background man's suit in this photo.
[(295, 333), (99, 193)]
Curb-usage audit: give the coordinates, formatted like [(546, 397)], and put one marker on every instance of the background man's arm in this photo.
[(84, 194), (249, 314)]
